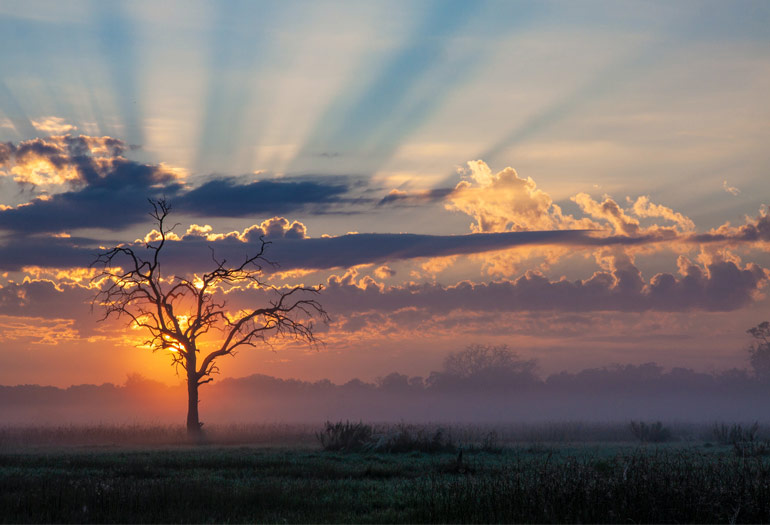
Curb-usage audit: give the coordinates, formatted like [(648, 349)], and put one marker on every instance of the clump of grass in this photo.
[(347, 436), (650, 433)]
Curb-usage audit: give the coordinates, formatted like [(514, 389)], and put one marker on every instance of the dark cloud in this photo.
[(116, 197), (46, 252), (226, 197), (42, 299), (104, 189), (6, 149), (289, 247), (756, 229), (353, 249), (402, 198), (720, 286)]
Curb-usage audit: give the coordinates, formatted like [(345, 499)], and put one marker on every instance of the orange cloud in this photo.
[(37, 330), (504, 201)]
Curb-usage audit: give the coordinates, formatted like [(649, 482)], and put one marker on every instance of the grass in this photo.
[(297, 482)]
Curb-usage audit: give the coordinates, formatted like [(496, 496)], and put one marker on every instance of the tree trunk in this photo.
[(193, 422)]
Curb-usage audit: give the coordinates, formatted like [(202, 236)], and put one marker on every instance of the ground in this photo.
[(681, 481)]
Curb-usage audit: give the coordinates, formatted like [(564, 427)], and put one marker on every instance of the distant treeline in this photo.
[(479, 384)]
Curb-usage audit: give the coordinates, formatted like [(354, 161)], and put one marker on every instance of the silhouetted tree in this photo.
[(484, 366), (477, 359), (759, 350), (180, 313)]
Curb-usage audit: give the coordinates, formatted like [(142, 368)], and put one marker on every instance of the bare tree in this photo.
[(181, 314)]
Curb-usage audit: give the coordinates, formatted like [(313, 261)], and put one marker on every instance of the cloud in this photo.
[(44, 299), (732, 190), (719, 285), (96, 186), (290, 246), (293, 249), (61, 160), (354, 249), (609, 211), (228, 198), (403, 198), (642, 207), (85, 182), (755, 229), (16, 252), (52, 125), (504, 201), (384, 272), (36, 330)]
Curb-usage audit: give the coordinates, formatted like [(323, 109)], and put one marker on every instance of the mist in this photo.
[(481, 384)]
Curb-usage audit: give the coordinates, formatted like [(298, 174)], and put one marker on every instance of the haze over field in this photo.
[(586, 183)]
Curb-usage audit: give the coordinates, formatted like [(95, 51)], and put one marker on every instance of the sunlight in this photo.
[(174, 345)]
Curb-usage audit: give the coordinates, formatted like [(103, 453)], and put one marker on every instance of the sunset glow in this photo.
[(586, 183)]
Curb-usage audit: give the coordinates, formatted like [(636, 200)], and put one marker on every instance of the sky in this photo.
[(586, 182)]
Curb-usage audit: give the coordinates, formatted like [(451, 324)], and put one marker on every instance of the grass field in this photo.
[(296, 482)]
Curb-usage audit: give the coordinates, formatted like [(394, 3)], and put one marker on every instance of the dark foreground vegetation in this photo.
[(546, 473)]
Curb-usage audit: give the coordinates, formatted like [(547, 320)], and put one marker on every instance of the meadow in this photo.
[(565, 472)]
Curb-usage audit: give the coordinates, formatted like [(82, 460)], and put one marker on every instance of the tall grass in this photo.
[(665, 486), (245, 484)]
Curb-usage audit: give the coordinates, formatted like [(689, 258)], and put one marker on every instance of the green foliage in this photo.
[(652, 433), (347, 436)]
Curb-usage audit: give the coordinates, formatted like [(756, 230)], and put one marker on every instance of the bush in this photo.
[(356, 437), (652, 433), (730, 435), (345, 436)]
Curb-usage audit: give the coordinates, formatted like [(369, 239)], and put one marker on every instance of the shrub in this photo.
[(345, 436), (652, 433), (730, 435)]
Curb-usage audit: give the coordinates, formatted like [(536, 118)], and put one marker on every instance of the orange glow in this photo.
[(40, 171), (174, 345)]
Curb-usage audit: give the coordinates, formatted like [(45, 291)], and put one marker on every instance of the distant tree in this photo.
[(478, 359), (183, 313), (393, 381), (483, 366), (759, 350)]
